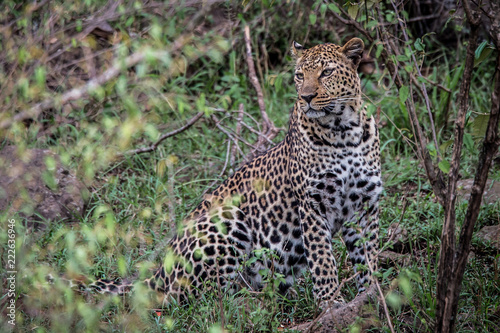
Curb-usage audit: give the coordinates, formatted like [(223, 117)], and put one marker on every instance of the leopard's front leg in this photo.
[(361, 239), (317, 239)]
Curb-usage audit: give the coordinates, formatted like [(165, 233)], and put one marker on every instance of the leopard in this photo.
[(322, 178)]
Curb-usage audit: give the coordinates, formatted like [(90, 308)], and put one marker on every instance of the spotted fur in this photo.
[(322, 178)]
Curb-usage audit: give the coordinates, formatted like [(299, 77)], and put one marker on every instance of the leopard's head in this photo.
[(326, 78)]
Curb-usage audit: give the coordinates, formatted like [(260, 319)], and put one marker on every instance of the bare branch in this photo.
[(268, 128), (238, 131), (490, 148), (165, 136), (402, 24), (335, 320), (255, 81), (381, 294)]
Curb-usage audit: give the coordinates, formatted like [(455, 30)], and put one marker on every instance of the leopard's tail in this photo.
[(101, 286)]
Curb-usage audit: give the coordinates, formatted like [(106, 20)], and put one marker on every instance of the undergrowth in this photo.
[(136, 200)]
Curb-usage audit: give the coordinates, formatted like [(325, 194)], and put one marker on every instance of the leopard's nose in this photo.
[(308, 98)]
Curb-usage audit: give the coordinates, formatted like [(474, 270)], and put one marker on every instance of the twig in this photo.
[(165, 136), (255, 82), (440, 86), (381, 294), (245, 281), (228, 157), (230, 135), (268, 128), (424, 90), (238, 131)]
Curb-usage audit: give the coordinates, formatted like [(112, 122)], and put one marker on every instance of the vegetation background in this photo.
[(109, 86)]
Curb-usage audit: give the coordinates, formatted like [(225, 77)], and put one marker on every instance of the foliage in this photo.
[(47, 49)]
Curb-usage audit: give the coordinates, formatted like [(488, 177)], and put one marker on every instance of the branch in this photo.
[(490, 147), (270, 131), (255, 81), (84, 90), (452, 261), (336, 320), (241, 111), (165, 136), (381, 294), (423, 89)]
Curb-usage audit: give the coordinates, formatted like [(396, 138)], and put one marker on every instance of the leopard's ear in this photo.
[(353, 49), (296, 50)]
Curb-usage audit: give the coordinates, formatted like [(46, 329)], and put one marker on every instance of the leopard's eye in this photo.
[(327, 72), (299, 76)]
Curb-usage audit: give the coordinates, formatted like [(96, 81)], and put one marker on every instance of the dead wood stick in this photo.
[(380, 293), (255, 82), (238, 131), (330, 305), (166, 135), (235, 138), (344, 316)]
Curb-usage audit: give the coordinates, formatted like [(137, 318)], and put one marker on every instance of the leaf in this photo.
[(469, 142), (402, 57), (322, 9), (482, 53), (444, 165), (404, 91), (393, 300), (353, 11), (445, 146), (372, 24), (432, 149), (480, 49), (312, 18), (333, 7), (480, 125), (419, 46), (40, 76), (380, 48)]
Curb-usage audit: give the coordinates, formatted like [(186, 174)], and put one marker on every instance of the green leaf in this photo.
[(432, 149), (370, 110), (333, 7), (372, 24), (393, 300), (409, 69), (483, 51), (480, 125), (380, 48), (40, 76), (444, 165), (404, 92), (404, 284), (312, 18), (402, 57), (353, 11), (419, 46), (469, 142), (445, 146), (322, 9), (480, 49)]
